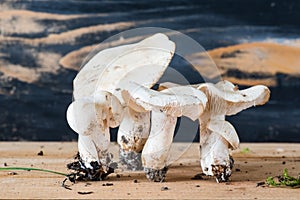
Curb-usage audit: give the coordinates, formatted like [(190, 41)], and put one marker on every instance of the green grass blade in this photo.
[(31, 169)]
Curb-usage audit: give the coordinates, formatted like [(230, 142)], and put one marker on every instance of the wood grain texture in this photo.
[(263, 160)]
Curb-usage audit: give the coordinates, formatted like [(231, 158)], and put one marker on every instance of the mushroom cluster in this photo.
[(113, 90)]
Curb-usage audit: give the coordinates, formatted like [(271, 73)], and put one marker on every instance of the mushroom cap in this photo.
[(176, 101), (226, 130), (166, 85), (80, 114), (225, 98), (88, 115), (112, 68)]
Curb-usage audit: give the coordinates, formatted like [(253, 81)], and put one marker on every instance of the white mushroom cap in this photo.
[(111, 69), (176, 101), (226, 130), (166, 85), (217, 136), (87, 115), (106, 71), (226, 99)]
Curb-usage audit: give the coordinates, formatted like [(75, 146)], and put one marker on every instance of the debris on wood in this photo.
[(284, 180), (260, 184), (198, 176), (12, 173), (83, 193), (164, 188), (245, 150), (107, 184)]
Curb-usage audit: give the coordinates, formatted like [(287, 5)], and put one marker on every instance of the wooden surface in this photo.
[(252, 167)]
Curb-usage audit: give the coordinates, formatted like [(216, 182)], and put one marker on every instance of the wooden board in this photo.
[(263, 160)]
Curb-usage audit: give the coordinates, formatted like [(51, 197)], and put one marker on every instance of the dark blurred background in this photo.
[(42, 44)]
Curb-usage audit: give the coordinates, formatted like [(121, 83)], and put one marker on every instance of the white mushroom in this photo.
[(91, 119), (217, 136), (145, 64), (166, 106), (98, 103)]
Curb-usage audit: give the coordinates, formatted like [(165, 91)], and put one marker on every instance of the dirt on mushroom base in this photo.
[(79, 172)]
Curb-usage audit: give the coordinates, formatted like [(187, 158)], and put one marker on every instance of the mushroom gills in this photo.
[(217, 136)]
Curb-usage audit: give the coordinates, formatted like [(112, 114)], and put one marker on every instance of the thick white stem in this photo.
[(94, 147), (214, 146), (156, 150), (134, 130), (213, 151), (91, 118)]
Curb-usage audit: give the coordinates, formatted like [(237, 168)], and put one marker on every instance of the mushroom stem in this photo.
[(166, 106), (217, 136), (94, 162), (132, 136), (157, 147), (91, 118), (94, 147), (214, 154)]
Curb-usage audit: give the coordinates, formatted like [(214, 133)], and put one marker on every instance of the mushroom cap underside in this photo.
[(226, 130), (176, 101), (143, 62), (225, 98)]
